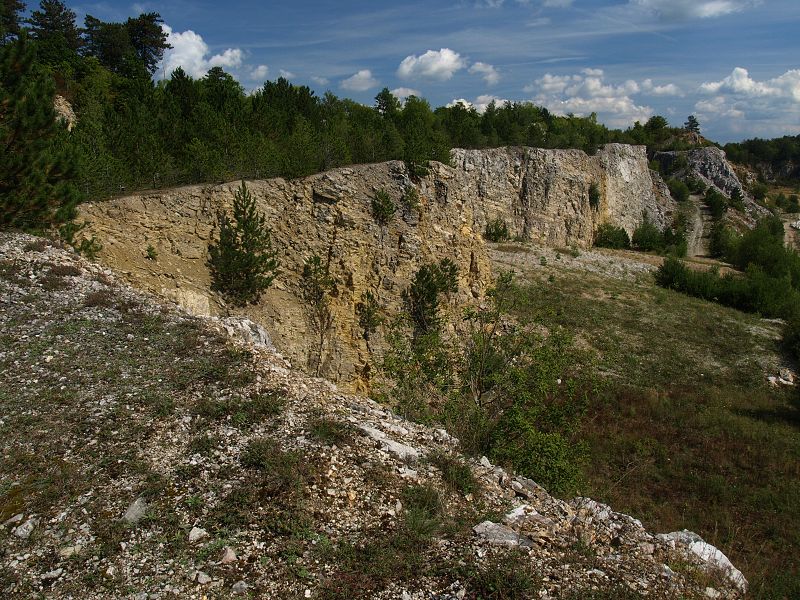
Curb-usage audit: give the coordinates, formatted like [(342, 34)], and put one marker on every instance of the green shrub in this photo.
[(609, 236), (695, 185), (423, 296), (496, 230), (759, 191), (383, 208), (724, 241), (455, 474), (242, 262), (647, 237), (594, 196), (369, 317), (316, 286), (717, 203), (411, 198), (678, 189)]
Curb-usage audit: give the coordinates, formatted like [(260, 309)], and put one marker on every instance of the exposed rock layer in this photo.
[(542, 195)]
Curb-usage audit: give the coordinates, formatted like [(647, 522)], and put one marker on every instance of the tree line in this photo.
[(134, 132)]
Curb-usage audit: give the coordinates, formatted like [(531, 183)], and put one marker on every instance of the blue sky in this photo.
[(734, 63)]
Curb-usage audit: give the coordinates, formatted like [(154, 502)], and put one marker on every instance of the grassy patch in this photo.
[(456, 475), (330, 431), (685, 432)]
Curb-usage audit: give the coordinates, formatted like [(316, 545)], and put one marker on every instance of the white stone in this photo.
[(197, 534)]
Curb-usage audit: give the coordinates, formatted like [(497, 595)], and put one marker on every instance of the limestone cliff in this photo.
[(711, 166), (543, 195)]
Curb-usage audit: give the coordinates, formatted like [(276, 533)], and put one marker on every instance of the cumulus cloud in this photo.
[(480, 103), (320, 80), (434, 64), (682, 10), (190, 52), (488, 72), (752, 107), (669, 89), (587, 92), (359, 82), (287, 74), (259, 72), (402, 93), (740, 83)]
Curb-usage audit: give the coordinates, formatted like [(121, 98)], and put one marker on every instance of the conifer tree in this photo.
[(53, 27), (243, 262), (37, 164), (9, 20)]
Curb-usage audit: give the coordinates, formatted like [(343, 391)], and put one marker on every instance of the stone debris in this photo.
[(497, 534), (24, 531), (136, 511), (197, 534)]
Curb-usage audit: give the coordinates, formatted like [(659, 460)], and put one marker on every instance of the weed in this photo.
[(150, 253), (383, 208), (455, 474), (496, 230), (330, 431)]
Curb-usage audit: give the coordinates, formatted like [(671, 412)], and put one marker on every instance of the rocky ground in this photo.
[(149, 454)]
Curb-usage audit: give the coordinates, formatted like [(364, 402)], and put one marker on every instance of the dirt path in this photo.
[(700, 235)]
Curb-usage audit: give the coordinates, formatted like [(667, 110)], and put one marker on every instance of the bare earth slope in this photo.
[(146, 456)]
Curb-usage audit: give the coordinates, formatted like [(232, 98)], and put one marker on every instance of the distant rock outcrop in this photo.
[(711, 166)]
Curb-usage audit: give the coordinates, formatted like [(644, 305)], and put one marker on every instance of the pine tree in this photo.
[(9, 20), (316, 286), (243, 262), (53, 27), (692, 124), (37, 163)]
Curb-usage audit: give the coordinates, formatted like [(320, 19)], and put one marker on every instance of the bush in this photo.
[(368, 312), (717, 203), (496, 230), (383, 208), (724, 241), (648, 238), (678, 189), (609, 236), (594, 196), (695, 185), (422, 297), (759, 191), (242, 262), (316, 286)]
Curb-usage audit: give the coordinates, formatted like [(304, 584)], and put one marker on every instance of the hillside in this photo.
[(146, 453)]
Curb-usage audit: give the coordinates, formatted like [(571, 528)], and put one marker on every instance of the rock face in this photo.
[(711, 166), (543, 195)]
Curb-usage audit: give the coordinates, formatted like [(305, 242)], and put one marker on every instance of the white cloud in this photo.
[(587, 92), (287, 74), (557, 3), (402, 93), (487, 71), (740, 83), (434, 64), (190, 52), (750, 107), (681, 10), (360, 82), (320, 80), (480, 104), (652, 89), (259, 73)]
